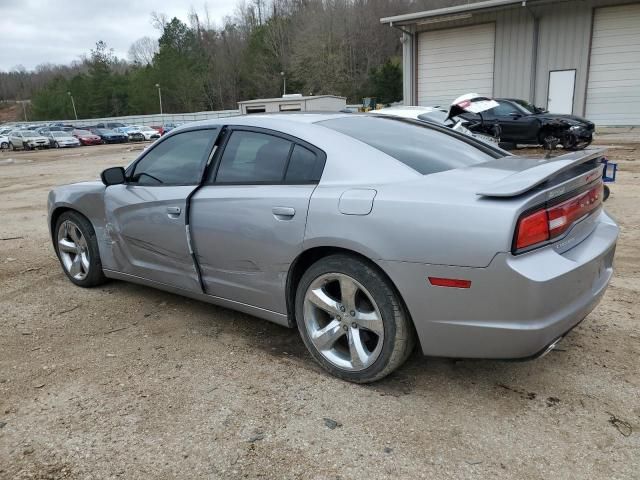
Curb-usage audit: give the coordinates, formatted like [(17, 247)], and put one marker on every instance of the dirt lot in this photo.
[(127, 382)]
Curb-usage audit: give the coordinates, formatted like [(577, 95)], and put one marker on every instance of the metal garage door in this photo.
[(455, 61), (613, 89)]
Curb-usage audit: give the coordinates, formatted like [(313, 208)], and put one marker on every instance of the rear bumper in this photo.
[(516, 306)]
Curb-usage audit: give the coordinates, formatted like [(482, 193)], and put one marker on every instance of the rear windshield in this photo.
[(425, 149)]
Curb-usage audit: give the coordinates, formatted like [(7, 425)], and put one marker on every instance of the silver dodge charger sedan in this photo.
[(368, 233)]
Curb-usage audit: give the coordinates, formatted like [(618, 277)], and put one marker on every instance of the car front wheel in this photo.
[(4, 146), (351, 319), (77, 249)]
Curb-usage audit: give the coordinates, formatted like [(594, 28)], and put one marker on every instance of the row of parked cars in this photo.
[(60, 135)]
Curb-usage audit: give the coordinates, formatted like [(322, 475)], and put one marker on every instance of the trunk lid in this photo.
[(528, 173)]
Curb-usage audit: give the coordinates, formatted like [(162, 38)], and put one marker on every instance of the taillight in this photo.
[(532, 229), (550, 222)]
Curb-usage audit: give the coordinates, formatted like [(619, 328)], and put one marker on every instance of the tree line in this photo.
[(319, 46)]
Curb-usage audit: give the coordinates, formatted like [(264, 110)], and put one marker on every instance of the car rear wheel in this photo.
[(4, 146), (56, 145), (351, 319), (77, 249)]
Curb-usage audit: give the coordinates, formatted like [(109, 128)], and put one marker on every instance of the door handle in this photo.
[(283, 213), (174, 212)]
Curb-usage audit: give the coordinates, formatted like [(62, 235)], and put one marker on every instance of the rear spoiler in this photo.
[(530, 177)]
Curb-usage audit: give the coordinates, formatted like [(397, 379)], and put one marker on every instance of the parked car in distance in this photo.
[(133, 134), (86, 137), (367, 233), (60, 139), (27, 140), (523, 123), (167, 127), (110, 125), (109, 136), (148, 132)]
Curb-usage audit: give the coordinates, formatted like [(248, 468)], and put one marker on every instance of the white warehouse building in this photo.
[(293, 103), (574, 56)]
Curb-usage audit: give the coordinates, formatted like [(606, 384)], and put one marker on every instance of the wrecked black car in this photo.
[(523, 123)]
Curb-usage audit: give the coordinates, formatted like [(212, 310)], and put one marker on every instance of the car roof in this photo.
[(267, 120)]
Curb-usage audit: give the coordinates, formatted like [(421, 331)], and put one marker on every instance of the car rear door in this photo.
[(248, 220), (147, 216)]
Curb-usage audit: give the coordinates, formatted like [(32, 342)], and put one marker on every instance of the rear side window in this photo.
[(425, 149), (252, 157), (304, 166)]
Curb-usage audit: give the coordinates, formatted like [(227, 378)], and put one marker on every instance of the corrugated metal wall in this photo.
[(564, 38), (514, 41)]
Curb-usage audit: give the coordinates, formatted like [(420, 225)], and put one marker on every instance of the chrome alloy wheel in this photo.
[(343, 321), (73, 249)]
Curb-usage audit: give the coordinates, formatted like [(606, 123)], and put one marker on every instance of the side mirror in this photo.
[(113, 176), (515, 115)]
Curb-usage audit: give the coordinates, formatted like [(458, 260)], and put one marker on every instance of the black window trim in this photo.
[(131, 168), (211, 177)]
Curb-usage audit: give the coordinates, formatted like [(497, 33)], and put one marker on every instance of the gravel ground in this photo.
[(124, 381)]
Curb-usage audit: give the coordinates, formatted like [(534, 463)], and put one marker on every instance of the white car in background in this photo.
[(427, 114), (148, 132), (468, 103), (60, 139), (27, 140)]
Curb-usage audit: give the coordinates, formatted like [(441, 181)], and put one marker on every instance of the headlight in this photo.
[(575, 127)]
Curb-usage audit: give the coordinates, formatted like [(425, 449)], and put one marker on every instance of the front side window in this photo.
[(179, 160), (252, 157), (424, 148), (504, 110)]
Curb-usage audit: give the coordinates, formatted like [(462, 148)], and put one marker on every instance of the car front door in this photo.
[(249, 218), (516, 126), (147, 216)]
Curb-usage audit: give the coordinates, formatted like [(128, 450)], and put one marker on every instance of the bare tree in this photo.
[(143, 50)]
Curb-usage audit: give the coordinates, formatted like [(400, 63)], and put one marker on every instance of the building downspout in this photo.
[(408, 74), (534, 53)]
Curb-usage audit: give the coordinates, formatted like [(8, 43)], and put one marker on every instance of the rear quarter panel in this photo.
[(415, 221)]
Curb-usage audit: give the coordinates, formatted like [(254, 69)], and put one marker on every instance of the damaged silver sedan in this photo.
[(368, 233)]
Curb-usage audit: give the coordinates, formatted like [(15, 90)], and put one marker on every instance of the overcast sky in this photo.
[(59, 31)]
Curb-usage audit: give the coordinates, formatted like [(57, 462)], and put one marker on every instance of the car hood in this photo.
[(571, 119)]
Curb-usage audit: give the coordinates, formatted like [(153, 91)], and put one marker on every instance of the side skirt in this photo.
[(274, 317)]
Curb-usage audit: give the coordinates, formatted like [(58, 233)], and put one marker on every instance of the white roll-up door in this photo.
[(613, 87), (453, 62)]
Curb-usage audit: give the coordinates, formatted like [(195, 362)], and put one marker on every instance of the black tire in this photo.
[(4, 146), (399, 334), (95, 275), (56, 145), (607, 192)]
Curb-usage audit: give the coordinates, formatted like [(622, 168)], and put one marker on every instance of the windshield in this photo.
[(29, 133), (83, 132), (426, 149), (526, 106), (60, 134)]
